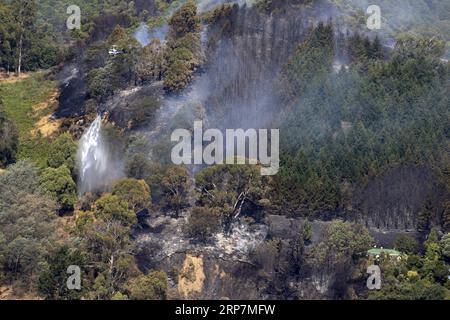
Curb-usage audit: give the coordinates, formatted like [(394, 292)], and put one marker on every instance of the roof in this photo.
[(379, 251)]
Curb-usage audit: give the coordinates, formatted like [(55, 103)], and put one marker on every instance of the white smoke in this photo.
[(144, 35), (205, 5)]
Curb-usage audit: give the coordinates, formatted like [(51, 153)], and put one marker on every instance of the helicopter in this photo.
[(113, 51)]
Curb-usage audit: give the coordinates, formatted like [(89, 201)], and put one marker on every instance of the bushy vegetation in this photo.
[(58, 183), (9, 139), (203, 223), (176, 185), (151, 64), (27, 225), (63, 152), (232, 191), (183, 52), (49, 282), (152, 286), (135, 192)]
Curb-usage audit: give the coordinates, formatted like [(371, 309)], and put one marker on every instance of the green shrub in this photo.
[(9, 140), (58, 183), (203, 223), (63, 152)]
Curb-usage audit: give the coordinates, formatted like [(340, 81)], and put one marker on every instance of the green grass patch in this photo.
[(18, 100)]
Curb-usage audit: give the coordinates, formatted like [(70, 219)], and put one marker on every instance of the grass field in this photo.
[(26, 101)]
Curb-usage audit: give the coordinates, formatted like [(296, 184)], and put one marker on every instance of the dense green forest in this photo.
[(364, 150), (359, 123)]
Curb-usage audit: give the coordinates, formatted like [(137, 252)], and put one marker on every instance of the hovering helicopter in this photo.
[(113, 51)]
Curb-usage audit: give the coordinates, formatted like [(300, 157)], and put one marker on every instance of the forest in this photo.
[(87, 180)]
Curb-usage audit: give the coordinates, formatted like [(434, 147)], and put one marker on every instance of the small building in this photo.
[(391, 253)]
